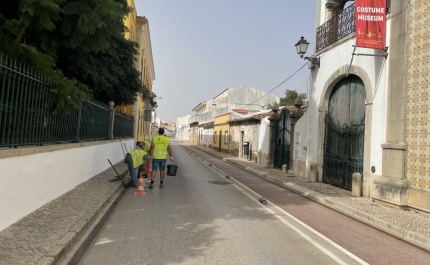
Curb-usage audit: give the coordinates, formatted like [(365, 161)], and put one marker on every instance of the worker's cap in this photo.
[(161, 130), (140, 144)]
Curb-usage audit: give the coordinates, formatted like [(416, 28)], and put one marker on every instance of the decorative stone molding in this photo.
[(396, 146)]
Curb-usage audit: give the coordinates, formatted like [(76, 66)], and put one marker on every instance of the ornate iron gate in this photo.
[(282, 140), (344, 132)]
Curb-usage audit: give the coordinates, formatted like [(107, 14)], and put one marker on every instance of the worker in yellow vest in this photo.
[(160, 148), (144, 167), (147, 146), (134, 158)]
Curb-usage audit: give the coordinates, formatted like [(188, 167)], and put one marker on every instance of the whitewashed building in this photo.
[(183, 128), (241, 99), (355, 121)]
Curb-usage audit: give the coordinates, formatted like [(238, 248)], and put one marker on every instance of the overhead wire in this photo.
[(276, 86)]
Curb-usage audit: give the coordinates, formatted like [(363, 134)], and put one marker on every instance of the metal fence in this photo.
[(26, 117), (336, 28), (123, 126)]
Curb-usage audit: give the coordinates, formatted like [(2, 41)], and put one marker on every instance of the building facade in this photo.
[(138, 31), (221, 136), (368, 114), (249, 132), (413, 129), (182, 128), (347, 103), (142, 109), (241, 99)]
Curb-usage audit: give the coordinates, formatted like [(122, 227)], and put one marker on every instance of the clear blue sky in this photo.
[(201, 47)]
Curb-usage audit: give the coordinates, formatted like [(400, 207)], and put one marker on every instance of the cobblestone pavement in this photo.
[(410, 225), (49, 229)]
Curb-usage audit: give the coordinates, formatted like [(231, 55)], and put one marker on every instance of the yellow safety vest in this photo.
[(137, 156), (147, 146), (160, 147)]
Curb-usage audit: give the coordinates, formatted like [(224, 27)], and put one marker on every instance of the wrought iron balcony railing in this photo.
[(336, 28)]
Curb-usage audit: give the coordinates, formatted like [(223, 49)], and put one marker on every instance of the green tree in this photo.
[(109, 74), (33, 31), (290, 97)]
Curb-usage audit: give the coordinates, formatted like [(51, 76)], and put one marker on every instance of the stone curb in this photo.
[(74, 234), (391, 229)]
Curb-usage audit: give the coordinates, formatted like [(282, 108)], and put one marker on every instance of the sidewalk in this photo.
[(411, 226), (44, 235)]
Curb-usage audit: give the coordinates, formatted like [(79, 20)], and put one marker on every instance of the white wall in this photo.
[(379, 121), (263, 136), (183, 133), (182, 120), (200, 139), (208, 136), (263, 141), (29, 182), (301, 138)]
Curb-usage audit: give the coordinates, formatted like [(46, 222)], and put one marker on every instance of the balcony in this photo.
[(336, 28), (193, 119)]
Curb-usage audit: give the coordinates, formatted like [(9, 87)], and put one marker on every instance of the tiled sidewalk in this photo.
[(409, 225), (42, 236)]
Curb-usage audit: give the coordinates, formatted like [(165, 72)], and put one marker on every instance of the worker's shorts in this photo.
[(159, 164)]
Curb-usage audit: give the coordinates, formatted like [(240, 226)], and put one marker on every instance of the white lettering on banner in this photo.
[(370, 18), (371, 9)]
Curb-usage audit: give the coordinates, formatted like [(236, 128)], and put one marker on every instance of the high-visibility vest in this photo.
[(160, 147), (138, 156), (147, 146)]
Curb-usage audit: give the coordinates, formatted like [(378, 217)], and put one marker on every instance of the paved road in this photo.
[(366, 242), (192, 221)]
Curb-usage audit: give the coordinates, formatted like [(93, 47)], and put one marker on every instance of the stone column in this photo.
[(330, 6), (392, 186), (111, 120), (273, 118), (295, 115)]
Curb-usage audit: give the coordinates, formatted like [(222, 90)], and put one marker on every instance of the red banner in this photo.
[(370, 17)]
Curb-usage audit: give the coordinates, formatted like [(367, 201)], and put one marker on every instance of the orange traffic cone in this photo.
[(140, 186)]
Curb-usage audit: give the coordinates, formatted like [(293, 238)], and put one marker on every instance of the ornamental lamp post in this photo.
[(302, 47)]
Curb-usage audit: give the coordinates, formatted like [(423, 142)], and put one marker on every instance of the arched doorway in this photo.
[(344, 132)]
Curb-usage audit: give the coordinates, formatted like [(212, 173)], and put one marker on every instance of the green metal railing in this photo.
[(24, 103), (26, 117), (122, 126), (94, 123)]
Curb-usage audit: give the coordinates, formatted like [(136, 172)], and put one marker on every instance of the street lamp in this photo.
[(302, 46)]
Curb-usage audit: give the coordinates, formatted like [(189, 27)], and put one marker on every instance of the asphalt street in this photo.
[(197, 219)]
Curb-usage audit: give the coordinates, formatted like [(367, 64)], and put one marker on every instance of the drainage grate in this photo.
[(219, 182)]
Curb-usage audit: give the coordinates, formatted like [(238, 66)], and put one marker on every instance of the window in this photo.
[(226, 137), (215, 137)]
